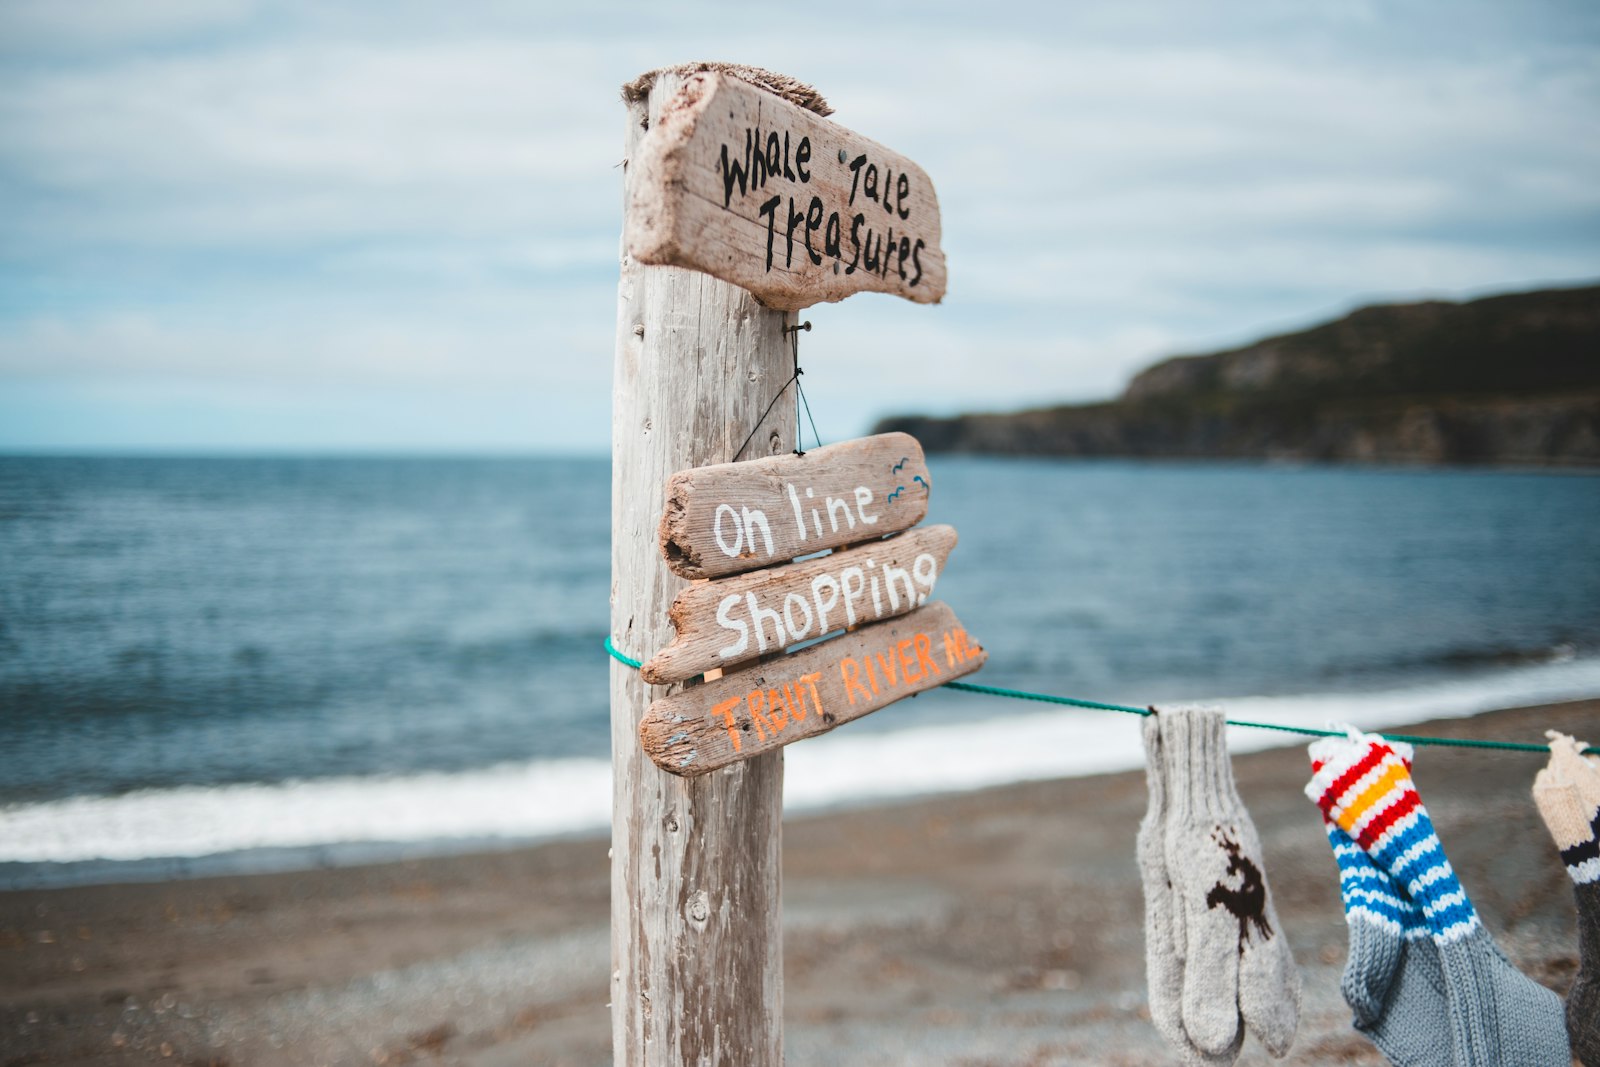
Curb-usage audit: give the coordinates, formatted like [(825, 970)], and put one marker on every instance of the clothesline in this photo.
[(1095, 705)]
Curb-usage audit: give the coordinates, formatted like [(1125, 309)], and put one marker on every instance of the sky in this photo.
[(233, 226)]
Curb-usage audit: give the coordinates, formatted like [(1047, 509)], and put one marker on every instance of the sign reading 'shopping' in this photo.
[(759, 192), (740, 525)]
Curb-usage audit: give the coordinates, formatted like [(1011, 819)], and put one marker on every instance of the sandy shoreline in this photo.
[(998, 927)]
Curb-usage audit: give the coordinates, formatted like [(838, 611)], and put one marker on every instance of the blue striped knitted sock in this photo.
[(1497, 1014), (1392, 979)]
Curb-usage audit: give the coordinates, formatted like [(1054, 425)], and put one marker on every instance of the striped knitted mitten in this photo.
[(1163, 940), (1238, 969), (1392, 979), (1497, 1014), (1568, 794)]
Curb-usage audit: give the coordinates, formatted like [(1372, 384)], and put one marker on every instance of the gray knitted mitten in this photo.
[(1163, 947), (1237, 965)]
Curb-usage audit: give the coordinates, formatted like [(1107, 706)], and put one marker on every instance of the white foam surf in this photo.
[(542, 799)]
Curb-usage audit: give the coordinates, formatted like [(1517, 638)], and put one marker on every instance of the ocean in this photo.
[(212, 664)]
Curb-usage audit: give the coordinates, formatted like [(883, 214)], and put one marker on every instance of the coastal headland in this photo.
[(1504, 380)]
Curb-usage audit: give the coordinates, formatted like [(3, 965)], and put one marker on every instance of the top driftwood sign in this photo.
[(734, 517), (745, 186)]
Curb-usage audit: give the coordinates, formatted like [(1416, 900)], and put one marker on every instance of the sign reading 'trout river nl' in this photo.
[(755, 517), (761, 193)]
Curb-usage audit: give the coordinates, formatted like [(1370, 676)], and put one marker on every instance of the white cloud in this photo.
[(418, 196)]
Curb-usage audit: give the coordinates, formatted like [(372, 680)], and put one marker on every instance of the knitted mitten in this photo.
[(1163, 945), (1497, 1014), (1392, 979), (1568, 794), (1237, 964)]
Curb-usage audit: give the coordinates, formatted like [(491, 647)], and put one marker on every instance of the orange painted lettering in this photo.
[(756, 699), (850, 671), (890, 667), (816, 697), (725, 709), (872, 675), (775, 700), (797, 700), (951, 649), (903, 650), (925, 654)]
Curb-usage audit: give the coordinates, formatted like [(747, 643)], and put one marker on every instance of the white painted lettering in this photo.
[(738, 531), (754, 519), (790, 602), (835, 507), (757, 615), (926, 570), (851, 595), (727, 622), (817, 585), (799, 516), (863, 498)]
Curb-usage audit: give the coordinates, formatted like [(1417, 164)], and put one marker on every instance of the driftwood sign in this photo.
[(734, 517), (809, 692), (737, 619), (738, 183)]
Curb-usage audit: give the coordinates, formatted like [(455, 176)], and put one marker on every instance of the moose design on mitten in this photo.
[(1248, 901)]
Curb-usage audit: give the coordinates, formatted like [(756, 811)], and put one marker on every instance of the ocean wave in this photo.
[(542, 799)]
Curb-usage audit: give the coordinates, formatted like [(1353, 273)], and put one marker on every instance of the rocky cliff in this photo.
[(1511, 379)]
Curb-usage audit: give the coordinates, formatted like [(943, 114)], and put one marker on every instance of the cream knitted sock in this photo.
[(1567, 792)]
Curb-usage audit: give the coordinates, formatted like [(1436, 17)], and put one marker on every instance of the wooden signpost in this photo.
[(734, 516), (808, 693), (752, 189), (734, 620), (734, 173)]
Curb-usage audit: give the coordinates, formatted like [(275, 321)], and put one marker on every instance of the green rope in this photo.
[(1047, 698), (619, 657)]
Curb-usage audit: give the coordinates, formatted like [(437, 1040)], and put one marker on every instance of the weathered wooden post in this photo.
[(736, 188), (696, 945)]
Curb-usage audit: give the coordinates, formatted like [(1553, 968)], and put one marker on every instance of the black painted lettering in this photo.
[(916, 261), (770, 210), (870, 185), (855, 239), (855, 177), (787, 173), (758, 164), (774, 154), (830, 236), (795, 219), (900, 260), (813, 224), (872, 257), (802, 156), (732, 172), (902, 189)]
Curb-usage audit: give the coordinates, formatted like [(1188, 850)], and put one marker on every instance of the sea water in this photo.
[(296, 660)]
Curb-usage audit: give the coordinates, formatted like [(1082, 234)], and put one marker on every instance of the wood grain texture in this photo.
[(696, 947), (746, 714), (769, 610), (735, 517), (766, 195)]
